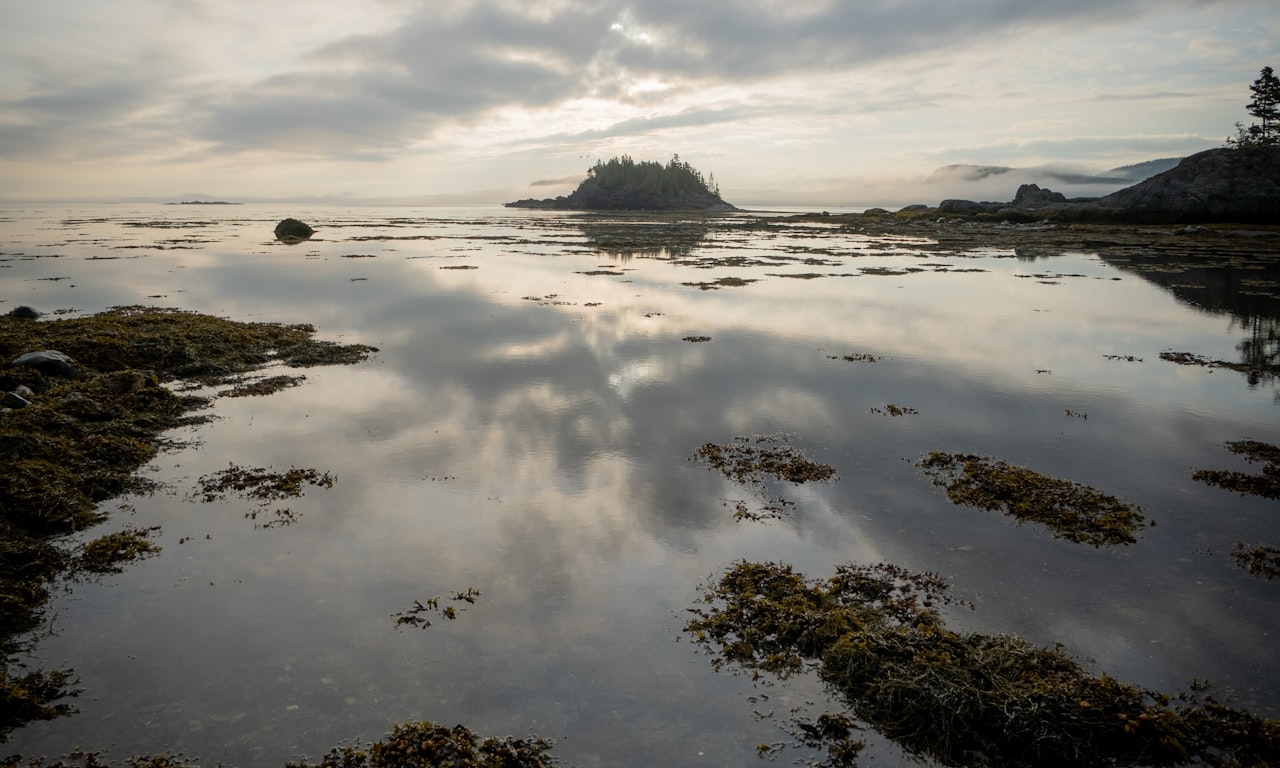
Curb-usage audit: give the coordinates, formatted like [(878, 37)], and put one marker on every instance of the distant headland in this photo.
[(204, 202), (622, 184)]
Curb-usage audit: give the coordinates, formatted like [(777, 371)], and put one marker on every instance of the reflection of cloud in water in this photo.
[(631, 374)]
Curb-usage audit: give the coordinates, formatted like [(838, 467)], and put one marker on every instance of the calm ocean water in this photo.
[(526, 431)]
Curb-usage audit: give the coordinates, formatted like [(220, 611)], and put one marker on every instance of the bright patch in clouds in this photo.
[(804, 102)]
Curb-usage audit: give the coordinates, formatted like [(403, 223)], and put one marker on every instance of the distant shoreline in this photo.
[(204, 202)]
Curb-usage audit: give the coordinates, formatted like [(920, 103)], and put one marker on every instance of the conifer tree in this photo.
[(1265, 106)]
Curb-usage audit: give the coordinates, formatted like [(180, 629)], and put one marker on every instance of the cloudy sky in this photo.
[(796, 102)]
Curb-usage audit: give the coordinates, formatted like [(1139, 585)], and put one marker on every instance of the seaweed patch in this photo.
[(893, 409), (1265, 484), (1072, 511), (262, 485), (417, 615), (1260, 561), (754, 462), (876, 638)]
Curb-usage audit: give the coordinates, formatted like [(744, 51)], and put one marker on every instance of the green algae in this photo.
[(1070, 510), (877, 640)]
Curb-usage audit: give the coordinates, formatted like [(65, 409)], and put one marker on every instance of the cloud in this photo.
[(233, 83)]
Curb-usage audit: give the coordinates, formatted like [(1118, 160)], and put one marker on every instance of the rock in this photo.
[(50, 363), (292, 230), (968, 207), (914, 207), (877, 211), (14, 400), (24, 311), (1032, 196)]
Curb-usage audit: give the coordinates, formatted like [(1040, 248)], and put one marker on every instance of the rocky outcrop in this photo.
[(1233, 185), (1032, 196), (1219, 185)]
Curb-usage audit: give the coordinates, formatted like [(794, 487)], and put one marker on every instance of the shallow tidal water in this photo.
[(526, 431)]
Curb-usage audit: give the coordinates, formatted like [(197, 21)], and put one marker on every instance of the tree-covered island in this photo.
[(622, 184)]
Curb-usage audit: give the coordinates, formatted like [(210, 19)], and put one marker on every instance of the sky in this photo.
[(785, 102)]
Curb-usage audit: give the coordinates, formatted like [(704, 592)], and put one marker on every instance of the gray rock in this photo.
[(50, 362), (14, 400), (24, 311), (914, 207), (292, 230)]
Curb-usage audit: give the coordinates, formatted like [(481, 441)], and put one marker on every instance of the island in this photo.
[(622, 184)]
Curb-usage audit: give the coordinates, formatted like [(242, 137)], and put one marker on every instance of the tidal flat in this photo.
[(508, 472)]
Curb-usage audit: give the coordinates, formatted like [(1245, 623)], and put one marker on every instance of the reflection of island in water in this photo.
[(1242, 285), (644, 238)]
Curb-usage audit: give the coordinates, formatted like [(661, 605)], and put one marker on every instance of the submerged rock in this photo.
[(49, 362), (292, 230)]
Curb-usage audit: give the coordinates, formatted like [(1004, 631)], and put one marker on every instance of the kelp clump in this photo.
[(1265, 484), (749, 460), (1072, 511), (428, 745), (753, 461), (878, 641), (1260, 561)]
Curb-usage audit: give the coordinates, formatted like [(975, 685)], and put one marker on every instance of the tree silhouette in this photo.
[(1265, 106)]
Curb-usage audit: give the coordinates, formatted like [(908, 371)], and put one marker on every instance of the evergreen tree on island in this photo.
[(1265, 107), (622, 184)]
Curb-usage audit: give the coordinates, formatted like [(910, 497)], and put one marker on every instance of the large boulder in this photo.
[(292, 230), (25, 312)]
